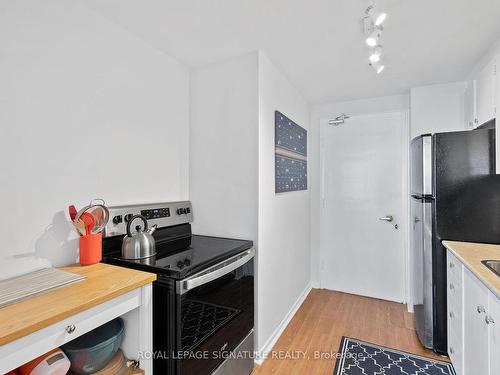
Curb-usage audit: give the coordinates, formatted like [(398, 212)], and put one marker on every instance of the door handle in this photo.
[(388, 218), (214, 272)]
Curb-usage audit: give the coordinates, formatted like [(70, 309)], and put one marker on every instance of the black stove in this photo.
[(203, 299)]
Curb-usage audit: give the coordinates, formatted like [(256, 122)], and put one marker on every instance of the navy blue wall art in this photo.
[(290, 154)]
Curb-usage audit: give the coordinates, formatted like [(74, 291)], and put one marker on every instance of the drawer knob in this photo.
[(452, 265), (451, 314), (71, 328), (452, 287), (452, 350), (489, 319), (481, 309)]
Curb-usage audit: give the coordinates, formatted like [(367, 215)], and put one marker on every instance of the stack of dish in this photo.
[(93, 351)]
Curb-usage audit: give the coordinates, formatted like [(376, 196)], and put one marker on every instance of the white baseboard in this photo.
[(268, 346), (315, 285)]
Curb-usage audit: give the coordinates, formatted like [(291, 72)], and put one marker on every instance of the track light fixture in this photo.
[(372, 28)]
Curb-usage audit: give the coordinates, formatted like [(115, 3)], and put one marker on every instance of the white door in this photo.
[(363, 178)]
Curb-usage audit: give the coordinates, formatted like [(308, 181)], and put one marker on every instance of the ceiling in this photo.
[(318, 44)]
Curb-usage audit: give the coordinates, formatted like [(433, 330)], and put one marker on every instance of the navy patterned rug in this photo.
[(362, 358)]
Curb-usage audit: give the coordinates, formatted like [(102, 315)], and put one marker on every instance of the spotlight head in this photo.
[(375, 54), (378, 67), (373, 38), (378, 17)]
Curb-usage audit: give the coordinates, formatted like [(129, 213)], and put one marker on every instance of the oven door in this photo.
[(217, 317)]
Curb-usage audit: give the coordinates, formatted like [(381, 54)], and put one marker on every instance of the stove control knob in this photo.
[(117, 219), (187, 262), (180, 264), (180, 211), (128, 217)]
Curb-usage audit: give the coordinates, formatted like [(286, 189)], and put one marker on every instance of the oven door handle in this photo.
[(214, 272)]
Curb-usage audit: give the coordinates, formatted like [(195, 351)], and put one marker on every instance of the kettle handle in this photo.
[(129, 233)]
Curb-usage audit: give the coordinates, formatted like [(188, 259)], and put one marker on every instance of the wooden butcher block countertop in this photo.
[(471, 255), (103, 283)]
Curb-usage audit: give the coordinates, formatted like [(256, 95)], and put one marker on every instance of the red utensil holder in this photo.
[(90, 249)]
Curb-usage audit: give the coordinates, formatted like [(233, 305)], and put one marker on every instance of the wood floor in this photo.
[(325, 317)]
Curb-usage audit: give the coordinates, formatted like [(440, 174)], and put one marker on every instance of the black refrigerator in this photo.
[(455, 195)]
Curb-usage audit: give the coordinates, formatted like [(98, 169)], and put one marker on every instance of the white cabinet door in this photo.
[(455, 312), (494, 324), (470, 112), (475, 328), (486, 93)]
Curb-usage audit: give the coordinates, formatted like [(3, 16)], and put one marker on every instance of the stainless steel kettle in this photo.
[(141, 244)]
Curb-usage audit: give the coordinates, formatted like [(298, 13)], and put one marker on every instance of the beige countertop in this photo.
[(103, 283), (471, 255)]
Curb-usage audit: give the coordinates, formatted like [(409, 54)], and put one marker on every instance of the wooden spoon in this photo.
[(80, 227)]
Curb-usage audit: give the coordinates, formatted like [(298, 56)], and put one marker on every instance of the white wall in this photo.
[(86, 110), (223, 164), (284, 233), (325, 112), (232, 177), (437, 108)]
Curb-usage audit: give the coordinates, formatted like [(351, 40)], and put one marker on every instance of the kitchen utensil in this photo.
[(54, 362), (72, 212), (80, 227), (99, 211), (89, 221), (141, 244), (99, 216), (92, 351)]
